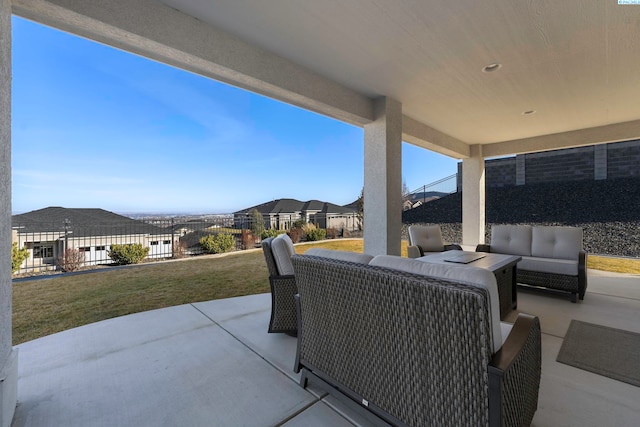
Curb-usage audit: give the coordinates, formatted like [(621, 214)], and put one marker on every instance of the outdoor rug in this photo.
[(606, 351)]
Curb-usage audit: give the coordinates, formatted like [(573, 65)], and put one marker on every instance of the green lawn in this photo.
[(42, 307)]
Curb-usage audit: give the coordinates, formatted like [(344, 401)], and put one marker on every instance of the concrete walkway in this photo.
[(213, 364)]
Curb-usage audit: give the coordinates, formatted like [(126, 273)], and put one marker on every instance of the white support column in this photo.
[(8, 356), (382, 179), (473, 199)]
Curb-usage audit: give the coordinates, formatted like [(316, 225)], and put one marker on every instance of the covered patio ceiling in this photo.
[(574, 63)]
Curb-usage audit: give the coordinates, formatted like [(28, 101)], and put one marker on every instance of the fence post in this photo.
[(173, 238), (67, 226)]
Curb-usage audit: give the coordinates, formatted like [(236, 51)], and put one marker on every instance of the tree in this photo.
[(406, 195), (405, 190), (17, 256), (257, 222), (360, 209)]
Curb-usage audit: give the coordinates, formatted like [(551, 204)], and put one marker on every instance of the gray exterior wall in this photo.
[(8, 356), (623, 159), (606, 161), (573, 164), (5, 180), (500, 172)]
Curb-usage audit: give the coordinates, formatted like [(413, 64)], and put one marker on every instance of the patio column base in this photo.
[(9, 388)]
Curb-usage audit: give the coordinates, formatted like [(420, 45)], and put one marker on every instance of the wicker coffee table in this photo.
[(504, 267)]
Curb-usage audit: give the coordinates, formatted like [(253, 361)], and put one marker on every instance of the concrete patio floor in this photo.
[(213, 364)]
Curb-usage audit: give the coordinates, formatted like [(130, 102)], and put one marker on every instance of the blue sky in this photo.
[(96, 127)]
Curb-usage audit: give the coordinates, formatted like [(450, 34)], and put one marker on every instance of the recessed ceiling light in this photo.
[(528, 112), (491, 67)]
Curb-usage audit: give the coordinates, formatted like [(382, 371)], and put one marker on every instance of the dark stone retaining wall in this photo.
[(608, 211)]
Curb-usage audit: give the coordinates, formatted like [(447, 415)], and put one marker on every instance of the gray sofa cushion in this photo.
[(340, 255), (511, 239), (474, 276), (566, 267), (282, 248), (428, 237), (505, 328), (556, 242)]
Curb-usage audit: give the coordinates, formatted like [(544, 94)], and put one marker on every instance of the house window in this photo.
[(101, 248), (154, 243), (85, 249), (42, 251), (166, 242)]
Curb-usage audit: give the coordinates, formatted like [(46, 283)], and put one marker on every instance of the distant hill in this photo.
[(429, 195), (414, 197)]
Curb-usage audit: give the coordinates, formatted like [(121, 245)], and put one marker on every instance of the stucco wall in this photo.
[(8, 356), (5, 180)]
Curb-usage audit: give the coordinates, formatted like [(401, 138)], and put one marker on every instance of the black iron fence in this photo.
[(435, 190), (64, 246)]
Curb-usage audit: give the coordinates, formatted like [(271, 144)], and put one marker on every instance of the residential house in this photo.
[(282, 213), (47, 232)]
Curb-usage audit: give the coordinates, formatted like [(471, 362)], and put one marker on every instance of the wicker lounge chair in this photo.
[(283, 284), (412, 349), (426, 239)]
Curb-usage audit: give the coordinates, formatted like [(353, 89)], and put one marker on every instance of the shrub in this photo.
[(308, 226), (131, 253), (299, 223), (296, 234), (217, 243), (71, 260), (332, 233), (271, 232), (248, 239), (316, 234), (18, 256)]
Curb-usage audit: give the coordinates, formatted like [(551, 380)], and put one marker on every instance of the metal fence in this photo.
[(65, 246), (429, 192)]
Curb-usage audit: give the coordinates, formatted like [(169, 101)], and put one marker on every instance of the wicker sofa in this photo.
[(415, 343), (552, 257)]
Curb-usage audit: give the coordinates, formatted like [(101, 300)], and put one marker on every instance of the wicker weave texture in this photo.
[(268, 257), (548, 280), (283, 304), (522, 382), (417, 347), (504, 279), (283, 291)]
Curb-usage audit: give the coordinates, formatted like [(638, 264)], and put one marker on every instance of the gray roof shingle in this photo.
[(295, 206), (82, 222)]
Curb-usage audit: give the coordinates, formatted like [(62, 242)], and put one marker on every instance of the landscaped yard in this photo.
[(45, 306)]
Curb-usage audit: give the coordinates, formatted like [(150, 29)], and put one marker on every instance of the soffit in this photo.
[(576, 62)]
